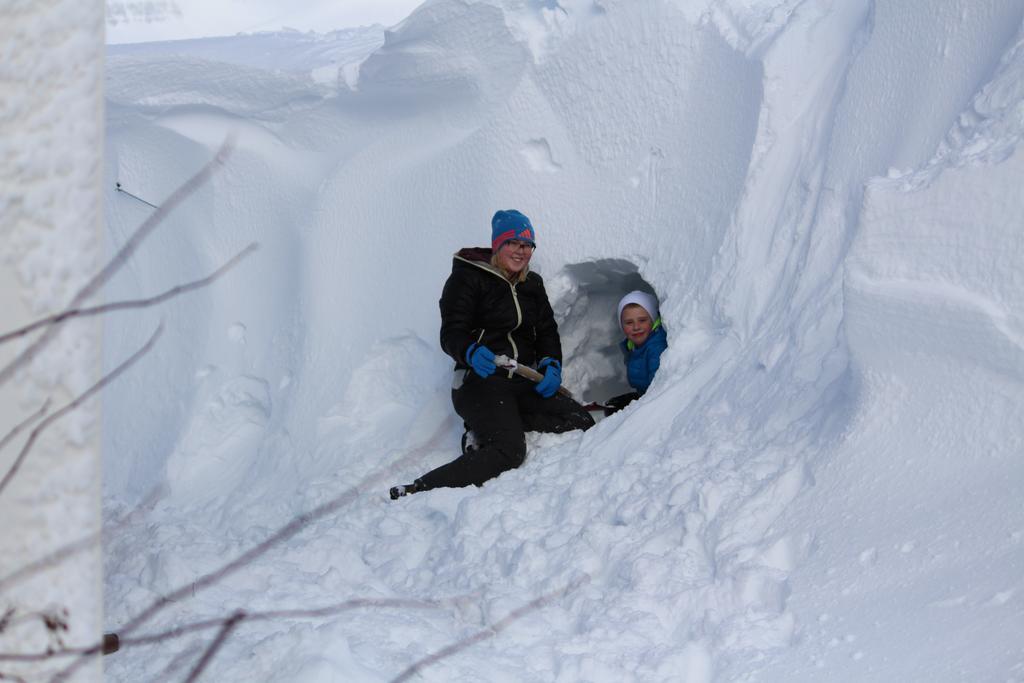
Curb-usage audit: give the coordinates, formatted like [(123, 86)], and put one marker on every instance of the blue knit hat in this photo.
[(511, 225)]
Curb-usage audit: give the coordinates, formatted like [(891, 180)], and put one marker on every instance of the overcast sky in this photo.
[(136, 21)]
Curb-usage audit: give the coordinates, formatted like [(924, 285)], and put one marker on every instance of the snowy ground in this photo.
[(824, 482)]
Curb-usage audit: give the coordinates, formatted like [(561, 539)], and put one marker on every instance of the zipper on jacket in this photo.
[(519, 321), (515, 300)]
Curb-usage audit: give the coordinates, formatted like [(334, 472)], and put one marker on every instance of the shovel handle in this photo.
[(503, 361)]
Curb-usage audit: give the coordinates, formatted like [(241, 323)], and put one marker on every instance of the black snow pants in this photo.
[(499, 410)]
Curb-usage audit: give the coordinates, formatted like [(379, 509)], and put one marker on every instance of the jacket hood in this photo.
[(476, 254)]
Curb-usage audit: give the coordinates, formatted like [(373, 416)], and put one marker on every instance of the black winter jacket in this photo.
[(478, 304)]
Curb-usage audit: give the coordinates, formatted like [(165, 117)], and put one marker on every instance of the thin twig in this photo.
[(207, 624), (227, 624), (222, 636), (135, 303), (176, 663), (284, 533), (489, 632), (104, 381), (137, 198), (24, 423), (75, 547), (54, 653), (50, 560), (13, 618), (122, 256), (329, 610), (29, 617)]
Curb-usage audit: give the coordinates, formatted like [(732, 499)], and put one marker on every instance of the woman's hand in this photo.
[(552, 377), (481, 359)]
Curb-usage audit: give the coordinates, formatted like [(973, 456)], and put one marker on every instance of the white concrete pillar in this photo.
[(51, 134)]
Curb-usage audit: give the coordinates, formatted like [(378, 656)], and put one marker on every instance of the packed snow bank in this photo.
[(915, 511), (330, 59), (823, 338)]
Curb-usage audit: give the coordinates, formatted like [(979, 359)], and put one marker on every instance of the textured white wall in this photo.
[(51, 129)]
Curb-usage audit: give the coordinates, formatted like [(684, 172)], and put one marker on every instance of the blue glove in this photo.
[(481, 359), (552, 377)]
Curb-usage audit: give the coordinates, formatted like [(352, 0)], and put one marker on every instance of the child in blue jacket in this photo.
[(642, 348)]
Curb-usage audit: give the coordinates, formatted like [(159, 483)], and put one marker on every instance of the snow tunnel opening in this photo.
[(586, 310)]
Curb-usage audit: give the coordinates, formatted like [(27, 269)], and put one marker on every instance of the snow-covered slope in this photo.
[(322, 57), (822, 483)]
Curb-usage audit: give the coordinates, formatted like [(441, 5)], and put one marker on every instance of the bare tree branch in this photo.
[(226, 625), (284, 533), (177, 662), (135, 303), (49, 654), (50, 560), (490, 632), (122, 256), (71, 549), (50, 327), (104, 381), (207, 624), (24, 423), (219, 641), (48, 618), (327, 611)]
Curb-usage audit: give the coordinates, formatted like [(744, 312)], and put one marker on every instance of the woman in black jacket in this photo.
[(492, 304)]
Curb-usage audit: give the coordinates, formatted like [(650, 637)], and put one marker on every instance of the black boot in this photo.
[(399, 491)]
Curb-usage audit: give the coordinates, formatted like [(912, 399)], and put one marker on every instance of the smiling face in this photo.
[(636, 323), (514, 255)]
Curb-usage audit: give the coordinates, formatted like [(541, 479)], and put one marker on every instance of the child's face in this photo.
[(636, 323)]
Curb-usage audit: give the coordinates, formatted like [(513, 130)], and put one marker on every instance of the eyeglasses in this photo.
[(516, 245)]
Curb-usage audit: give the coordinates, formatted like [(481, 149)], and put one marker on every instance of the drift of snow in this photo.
[(823, 482)]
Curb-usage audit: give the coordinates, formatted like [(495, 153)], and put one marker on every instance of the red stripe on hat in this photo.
[(501, 239)]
